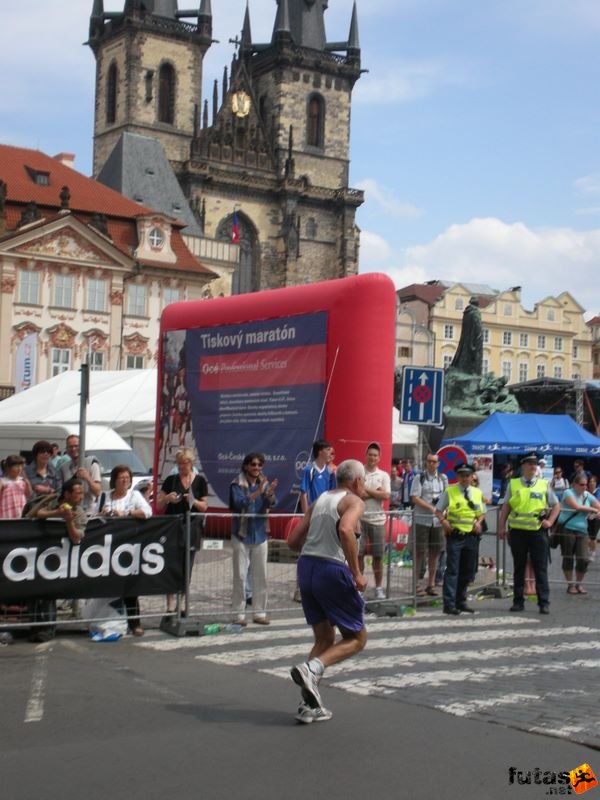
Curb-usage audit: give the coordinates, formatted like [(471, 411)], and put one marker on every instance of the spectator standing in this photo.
[(408, 476), (530, 508), (318, 476), (593, 522), (184, 492), (68, 506), (250, 497), (558, 482), (44, 478), (427, 488), (578, 506), (123, 501), (395, 487), (376, 492), (15, 488), (89, 473)]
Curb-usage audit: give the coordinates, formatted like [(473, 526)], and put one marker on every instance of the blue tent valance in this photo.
[(558, 434)]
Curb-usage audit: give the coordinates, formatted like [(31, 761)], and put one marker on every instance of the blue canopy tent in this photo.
[(556, 434)]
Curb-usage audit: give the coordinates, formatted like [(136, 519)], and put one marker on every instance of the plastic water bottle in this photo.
[(211, 630), (5, 638), (233, 627)]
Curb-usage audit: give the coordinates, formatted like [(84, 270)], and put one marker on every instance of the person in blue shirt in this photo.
[(318, 475), (250, 497)]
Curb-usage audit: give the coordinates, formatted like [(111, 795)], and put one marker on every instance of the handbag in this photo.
[(558, 530)]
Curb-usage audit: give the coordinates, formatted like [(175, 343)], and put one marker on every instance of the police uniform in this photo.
[(529, 501), (465, 508)]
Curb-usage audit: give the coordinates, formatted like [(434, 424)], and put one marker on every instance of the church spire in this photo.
[(246, 32), (97, 18), (353, 42), (205, 9), (306, 21), (281, 29)]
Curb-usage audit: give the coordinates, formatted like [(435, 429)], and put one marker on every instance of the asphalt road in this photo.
[(152, 720)]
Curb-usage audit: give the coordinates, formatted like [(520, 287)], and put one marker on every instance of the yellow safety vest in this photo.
[(526, 504), (461, 515)]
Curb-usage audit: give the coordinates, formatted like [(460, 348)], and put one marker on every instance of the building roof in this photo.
[(19, 168), (429, 293), (138, 168), (32, 176)]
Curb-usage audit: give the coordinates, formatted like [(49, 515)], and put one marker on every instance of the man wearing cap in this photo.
[(530, 507), (461, 511)]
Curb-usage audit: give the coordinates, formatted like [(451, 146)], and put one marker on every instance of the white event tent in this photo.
[(125, 400)]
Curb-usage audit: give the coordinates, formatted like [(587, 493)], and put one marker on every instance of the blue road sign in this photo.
[(422, 396)]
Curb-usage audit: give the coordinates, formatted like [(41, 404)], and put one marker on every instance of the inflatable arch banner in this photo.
[(271, 372)]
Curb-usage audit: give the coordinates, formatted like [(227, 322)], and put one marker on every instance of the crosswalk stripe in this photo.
[(389, 683), (466, 708), (241, 655), (271, 634)]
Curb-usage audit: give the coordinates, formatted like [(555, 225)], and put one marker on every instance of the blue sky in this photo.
[(474, 132)]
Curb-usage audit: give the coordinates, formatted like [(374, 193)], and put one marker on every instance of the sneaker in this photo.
[(380, 593), (308, 682), (306, 714)]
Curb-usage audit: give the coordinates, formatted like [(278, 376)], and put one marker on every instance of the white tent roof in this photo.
[(123, 399)]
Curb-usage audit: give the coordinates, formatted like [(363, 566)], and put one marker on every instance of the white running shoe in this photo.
[(306, 714), (380, 593), (308, 682)]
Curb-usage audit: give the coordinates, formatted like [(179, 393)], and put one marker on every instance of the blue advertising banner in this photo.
[(255, 386)]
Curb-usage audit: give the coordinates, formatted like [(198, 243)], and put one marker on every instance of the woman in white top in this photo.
[(123, 501)]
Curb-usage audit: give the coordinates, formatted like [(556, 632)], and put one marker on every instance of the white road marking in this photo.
[(267, 635), (241, 655), (35, 705)]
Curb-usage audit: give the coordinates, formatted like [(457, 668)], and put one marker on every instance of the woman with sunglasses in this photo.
[(250, 497), (577, 503)]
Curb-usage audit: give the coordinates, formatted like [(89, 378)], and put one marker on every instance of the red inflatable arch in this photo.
[(273, 370)]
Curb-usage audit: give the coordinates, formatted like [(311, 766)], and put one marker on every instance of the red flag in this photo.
[(235, 229)]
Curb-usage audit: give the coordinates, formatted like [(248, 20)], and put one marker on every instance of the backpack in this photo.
[(31, 507)]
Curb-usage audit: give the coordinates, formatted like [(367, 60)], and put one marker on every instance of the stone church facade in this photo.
[(265, 159)]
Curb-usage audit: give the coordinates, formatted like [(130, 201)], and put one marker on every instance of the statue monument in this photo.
[(468, 393)]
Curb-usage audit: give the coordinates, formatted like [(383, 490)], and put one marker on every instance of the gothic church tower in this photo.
[(148, 73), (271, 148)]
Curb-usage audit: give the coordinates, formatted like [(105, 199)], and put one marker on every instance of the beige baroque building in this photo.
[(552, 340), (84, 272)]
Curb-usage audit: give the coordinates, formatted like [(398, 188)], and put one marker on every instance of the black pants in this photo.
[(535, 545)]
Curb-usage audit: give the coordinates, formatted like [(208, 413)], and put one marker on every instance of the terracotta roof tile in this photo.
[(18, 166)]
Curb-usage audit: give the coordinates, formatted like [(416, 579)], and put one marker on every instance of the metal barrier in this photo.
[(207, 593)]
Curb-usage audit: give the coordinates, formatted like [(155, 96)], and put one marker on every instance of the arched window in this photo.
[(111, 93), (166, 94), (246, 278), (315, 122)]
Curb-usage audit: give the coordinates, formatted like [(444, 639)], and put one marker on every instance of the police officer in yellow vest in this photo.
[(530, 507), (461, 511)]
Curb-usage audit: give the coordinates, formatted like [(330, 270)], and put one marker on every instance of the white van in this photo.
[(100, 441)]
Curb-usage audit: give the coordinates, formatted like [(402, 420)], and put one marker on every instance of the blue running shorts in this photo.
[(328, 593)]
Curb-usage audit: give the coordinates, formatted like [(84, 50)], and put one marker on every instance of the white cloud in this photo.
[(404, 80), (588, 184), (374, 250), (385, 198), (544, 261)]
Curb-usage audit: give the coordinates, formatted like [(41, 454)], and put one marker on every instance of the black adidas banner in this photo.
[(116, 558)]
